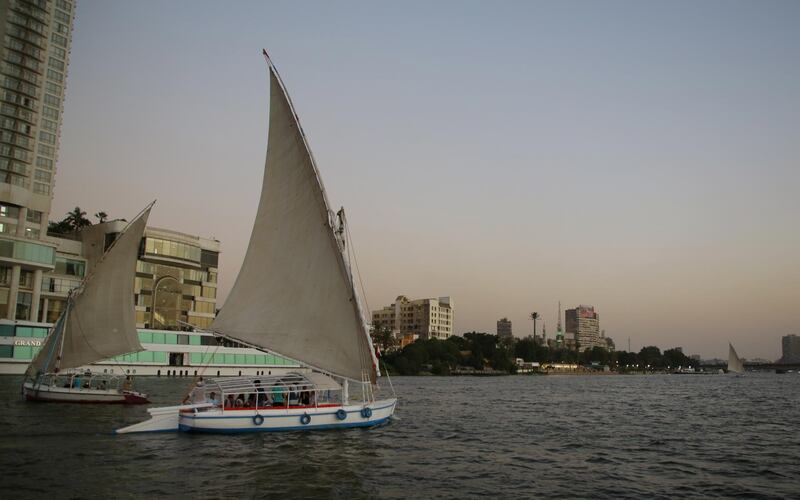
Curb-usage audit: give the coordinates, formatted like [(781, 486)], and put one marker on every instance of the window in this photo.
[(55, 63), (45, 150), (31, 233), (59, 52), (59, 40), (34, 216), (52, 100), (55, 75), (44, 163), (40, 188), (62, 16), (42, 176), (9, 211), (47, 137), (70, 267), (7, 228), (64, 5), (53, 88)]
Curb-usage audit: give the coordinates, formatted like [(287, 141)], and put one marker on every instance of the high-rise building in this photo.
[(584, 323), (504, 328), (35, 38), (790, 345), (421, 318)]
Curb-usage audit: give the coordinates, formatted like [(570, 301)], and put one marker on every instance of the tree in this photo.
[(60, 227), (534, 317), (77, 219), (101, 217)]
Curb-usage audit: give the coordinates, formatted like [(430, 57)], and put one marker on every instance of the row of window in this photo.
[(31, 252), (195, 358), (157, 246)]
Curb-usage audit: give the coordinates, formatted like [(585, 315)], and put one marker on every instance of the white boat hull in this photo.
[(192, 418), (52, 394)]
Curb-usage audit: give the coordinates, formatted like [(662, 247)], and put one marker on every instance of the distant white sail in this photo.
[(734, 363), (294, 294), (99, 321)]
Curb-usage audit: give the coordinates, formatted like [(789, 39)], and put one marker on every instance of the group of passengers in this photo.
[(276, 397), (85, 381)]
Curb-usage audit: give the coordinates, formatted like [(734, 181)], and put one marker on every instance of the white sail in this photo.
[(734, 363), (100, 319), (294, 294)]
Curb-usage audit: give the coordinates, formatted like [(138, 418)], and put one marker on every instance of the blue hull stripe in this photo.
[(187, 428), (199, 416)]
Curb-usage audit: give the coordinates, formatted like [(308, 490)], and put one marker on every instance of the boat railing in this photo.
[(80, 381)]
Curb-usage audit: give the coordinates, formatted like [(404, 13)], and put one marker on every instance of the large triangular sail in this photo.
[(294, 294), (99, 321), (735, 364)]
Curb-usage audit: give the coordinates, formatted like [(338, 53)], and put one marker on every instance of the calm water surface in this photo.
[(521, 437)]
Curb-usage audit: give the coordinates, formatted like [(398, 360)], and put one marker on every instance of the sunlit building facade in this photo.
[(418, 319), (35, 40), (584, 323), (504, 328)]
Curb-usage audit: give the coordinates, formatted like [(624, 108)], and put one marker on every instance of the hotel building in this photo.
[(504, 328), (34, 54), (417, 319), (584, 323)]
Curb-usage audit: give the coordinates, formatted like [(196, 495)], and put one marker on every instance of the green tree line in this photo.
[(482, 350)]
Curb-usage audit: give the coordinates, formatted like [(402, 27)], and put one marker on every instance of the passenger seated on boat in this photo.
[(239, 401), (277, 396), (212, 398), (76, 382), (251, 401), (229, 402), (103, 385), (128, 384), (261, 396)]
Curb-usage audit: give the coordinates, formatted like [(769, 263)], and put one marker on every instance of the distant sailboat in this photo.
[(295, 295), (99, 322), (735, 364)]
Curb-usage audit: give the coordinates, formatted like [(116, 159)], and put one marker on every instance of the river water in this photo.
[(657, 436)]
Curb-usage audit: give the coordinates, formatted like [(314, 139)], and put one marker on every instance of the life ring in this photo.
[(305, 419), (366, 412), (341, 414), (258, 420)]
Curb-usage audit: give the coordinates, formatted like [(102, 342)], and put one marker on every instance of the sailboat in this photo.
[(98, 322), (735, 364), (294, 296)]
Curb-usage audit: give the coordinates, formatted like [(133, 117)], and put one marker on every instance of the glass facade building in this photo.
[(35, 41), (166, 353)]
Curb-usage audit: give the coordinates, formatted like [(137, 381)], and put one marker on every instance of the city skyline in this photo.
[(637, 158)]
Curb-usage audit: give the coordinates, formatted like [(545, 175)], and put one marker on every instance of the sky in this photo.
[(641, 157)]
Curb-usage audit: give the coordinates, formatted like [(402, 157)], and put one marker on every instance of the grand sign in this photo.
[(30, 342)]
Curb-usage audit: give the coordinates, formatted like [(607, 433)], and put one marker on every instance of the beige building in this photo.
[(419, 319), (35, 39), (504, 328), (584, 323)]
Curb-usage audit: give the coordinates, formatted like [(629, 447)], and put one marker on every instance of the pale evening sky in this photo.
[(641, 157)]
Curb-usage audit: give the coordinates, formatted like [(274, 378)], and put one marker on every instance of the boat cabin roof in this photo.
[(285, 383)]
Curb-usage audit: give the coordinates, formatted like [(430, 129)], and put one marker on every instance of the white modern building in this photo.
[(421, 318)]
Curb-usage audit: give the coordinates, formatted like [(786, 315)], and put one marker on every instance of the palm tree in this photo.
[(534, 317), (76, 219), (101, 216)]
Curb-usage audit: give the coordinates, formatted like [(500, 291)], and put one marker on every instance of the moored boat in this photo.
[(98, 322)]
